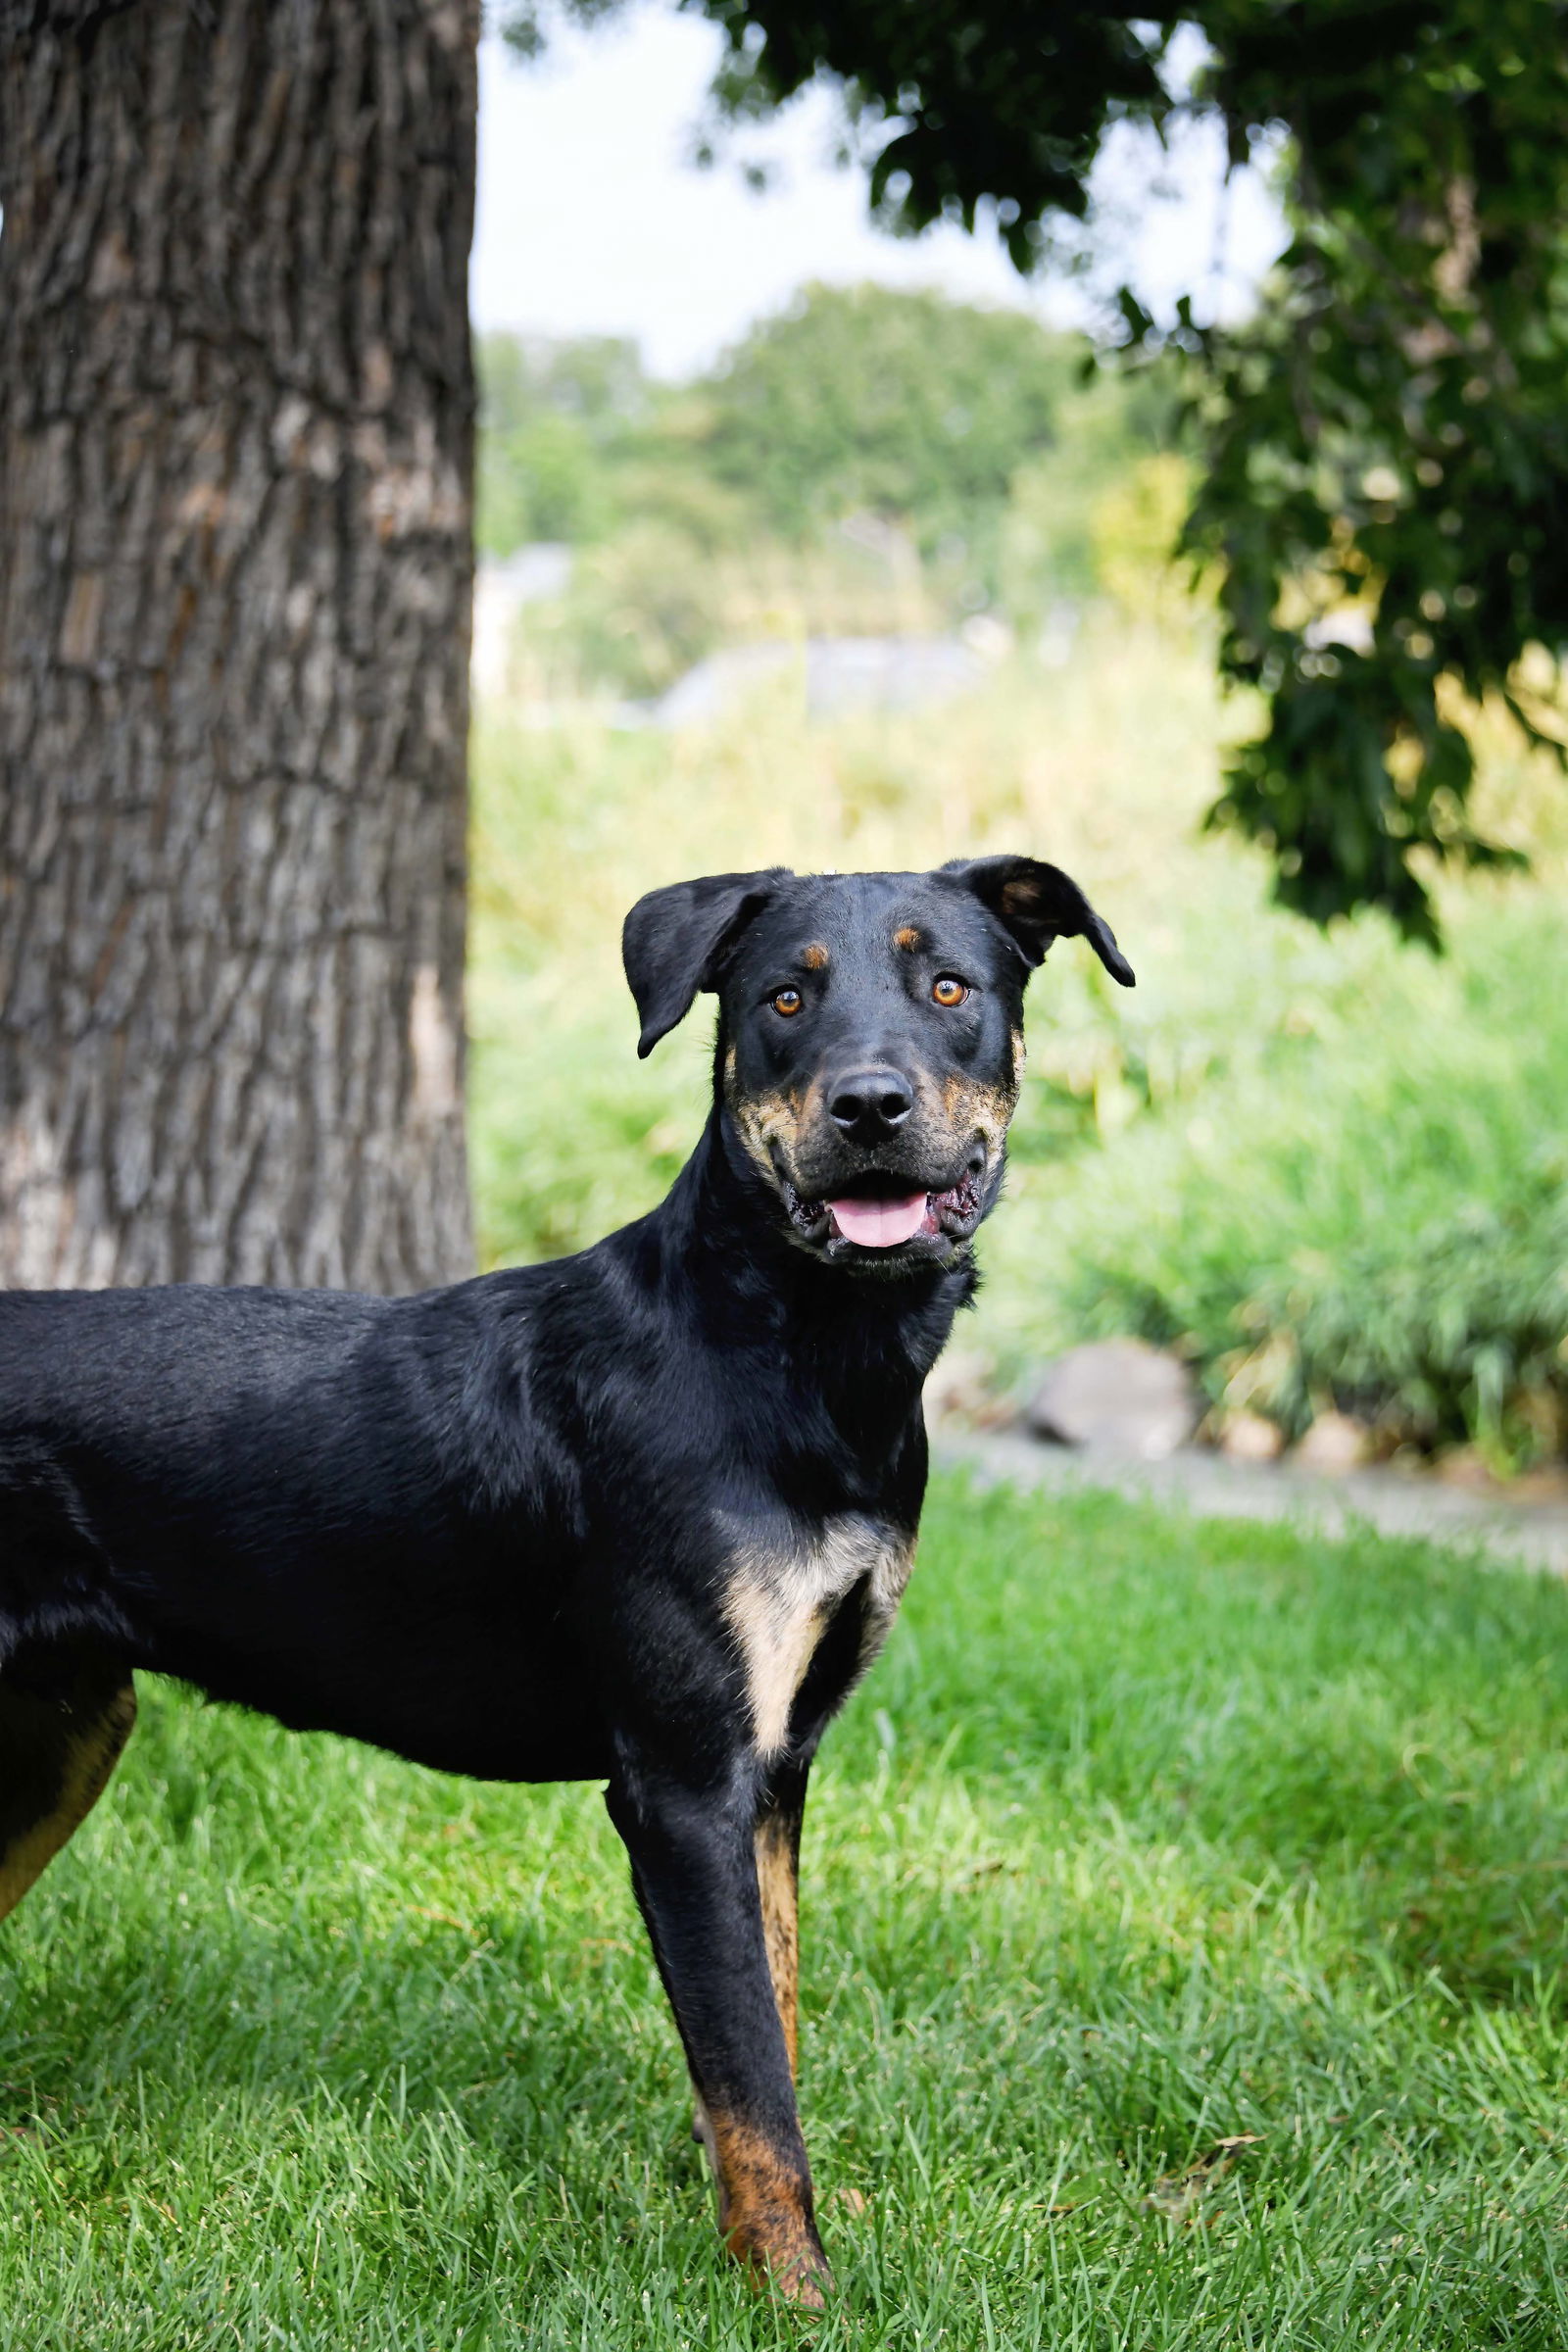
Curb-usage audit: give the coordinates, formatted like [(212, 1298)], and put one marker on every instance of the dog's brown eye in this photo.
[(786, 1002), (947, 991)]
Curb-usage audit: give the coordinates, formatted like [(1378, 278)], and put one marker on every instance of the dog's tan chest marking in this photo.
[(780, 1602)]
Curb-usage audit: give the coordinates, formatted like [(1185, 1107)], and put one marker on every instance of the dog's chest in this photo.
[(782, 1598)]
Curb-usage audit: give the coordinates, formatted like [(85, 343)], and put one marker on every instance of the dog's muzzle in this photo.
[(881, 1214)]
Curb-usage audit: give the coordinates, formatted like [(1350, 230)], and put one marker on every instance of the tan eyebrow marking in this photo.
[(814, 957), (906, 937)]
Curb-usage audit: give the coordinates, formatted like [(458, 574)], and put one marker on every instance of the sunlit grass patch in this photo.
[(1147, 1837)]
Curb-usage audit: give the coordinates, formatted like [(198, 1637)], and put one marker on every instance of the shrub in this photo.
[(1371, 1213)]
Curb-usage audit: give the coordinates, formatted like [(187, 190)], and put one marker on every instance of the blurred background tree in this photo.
[(867, 461), (556, 416), (861, 399)]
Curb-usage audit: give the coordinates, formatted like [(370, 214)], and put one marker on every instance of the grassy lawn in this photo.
[(1147, 1835)]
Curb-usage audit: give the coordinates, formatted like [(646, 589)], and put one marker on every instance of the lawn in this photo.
[(1149, 1835)]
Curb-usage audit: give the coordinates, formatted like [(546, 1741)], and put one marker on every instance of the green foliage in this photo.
[(1364, 1207), (956, 108), (639, 610), (865, 463), (901, 405), (1392, 428), (1061, 535), (550, 415), (1145, 1835)]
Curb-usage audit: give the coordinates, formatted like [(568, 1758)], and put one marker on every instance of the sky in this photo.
[(592, 220)]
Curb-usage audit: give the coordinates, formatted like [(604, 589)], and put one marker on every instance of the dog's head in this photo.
[(870, 1034)]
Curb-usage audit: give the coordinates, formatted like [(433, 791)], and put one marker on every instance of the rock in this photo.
[(1465, 1466), (959, 1392), (1117, 1396), (1250, 1438), (1549, 1484), (1335, 1444)]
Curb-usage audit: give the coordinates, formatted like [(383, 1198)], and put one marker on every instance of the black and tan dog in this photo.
[(643, 1514)]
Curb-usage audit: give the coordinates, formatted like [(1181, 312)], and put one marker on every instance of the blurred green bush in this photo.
[(1363, 1208)]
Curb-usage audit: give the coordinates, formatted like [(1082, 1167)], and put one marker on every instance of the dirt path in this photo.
[(1526, 1535)]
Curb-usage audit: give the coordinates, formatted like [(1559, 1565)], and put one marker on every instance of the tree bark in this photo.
[(236, 418)]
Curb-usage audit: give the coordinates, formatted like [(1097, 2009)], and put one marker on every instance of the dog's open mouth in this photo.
[(888, 1218)]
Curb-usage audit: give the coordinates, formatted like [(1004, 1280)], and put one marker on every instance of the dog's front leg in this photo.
[(779, 1867), (694, 1866)]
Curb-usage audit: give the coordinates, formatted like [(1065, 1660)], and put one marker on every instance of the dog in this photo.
[(641, 1516)]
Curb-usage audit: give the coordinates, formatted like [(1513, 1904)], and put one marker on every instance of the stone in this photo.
[(962, 1393), (1465, 1466), (1335, 1444), (1547, 1484), (1250, 1438), (1116, 1397)]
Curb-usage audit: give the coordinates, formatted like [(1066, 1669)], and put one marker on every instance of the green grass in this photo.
[(1147, 1834)]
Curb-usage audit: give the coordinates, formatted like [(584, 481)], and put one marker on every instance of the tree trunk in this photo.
[(237, 414)]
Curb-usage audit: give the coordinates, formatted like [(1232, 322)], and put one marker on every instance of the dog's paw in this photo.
[(787, 2260)]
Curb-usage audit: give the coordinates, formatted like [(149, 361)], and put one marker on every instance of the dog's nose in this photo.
[(869, 1104)]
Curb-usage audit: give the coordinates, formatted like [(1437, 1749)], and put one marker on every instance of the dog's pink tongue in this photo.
[(879, 1224)]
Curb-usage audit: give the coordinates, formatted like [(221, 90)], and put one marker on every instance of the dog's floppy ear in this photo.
[(675, 942), (1038, 904)]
